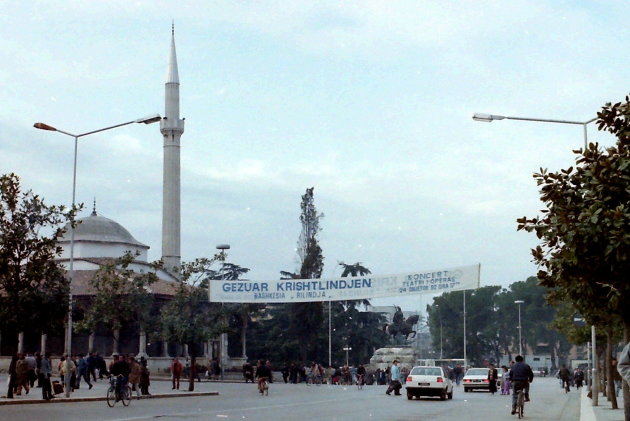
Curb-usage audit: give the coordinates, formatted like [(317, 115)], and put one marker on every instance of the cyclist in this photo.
[(345, 375), (263, 373), (120, 367), (520, 376)]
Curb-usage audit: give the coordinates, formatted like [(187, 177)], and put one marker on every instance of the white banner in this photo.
[(341, 289)]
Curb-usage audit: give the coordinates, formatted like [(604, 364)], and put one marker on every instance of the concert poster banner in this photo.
[(341, 289)]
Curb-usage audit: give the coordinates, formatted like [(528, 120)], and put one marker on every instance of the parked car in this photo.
[(428, 381), (476, 378)]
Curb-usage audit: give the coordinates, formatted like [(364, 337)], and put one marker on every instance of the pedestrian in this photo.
[(101, 365), (616, 376), (144, 377), (83, 368), (565, 377), (91, 366), (67, 368), (12, 376), (285, 373), (579, 377), (268, 364), (176, 372), (623, 367), (492, 379), (31, 362), (38, 361), (248, 372), (458, 374), (134, 374), (21, 371), (505, 383), (45, 371), (395, 385), (293, 373)]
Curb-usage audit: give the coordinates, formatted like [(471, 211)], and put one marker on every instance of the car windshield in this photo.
[(477, 372), (426, 371)]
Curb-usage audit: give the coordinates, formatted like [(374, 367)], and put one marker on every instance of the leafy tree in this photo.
[(122, 297), (34, 289), (189, 318), (585, 228)]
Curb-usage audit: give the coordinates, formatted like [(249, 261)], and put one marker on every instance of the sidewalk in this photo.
[(602, 412), (158, 389)]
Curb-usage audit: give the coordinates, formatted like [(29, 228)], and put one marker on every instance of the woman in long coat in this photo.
[(12, 376), (492, 379)]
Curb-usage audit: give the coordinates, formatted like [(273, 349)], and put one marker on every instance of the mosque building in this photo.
[(98, 240)]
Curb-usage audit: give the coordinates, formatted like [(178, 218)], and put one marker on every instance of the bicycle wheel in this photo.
[(111, 397), (125, 396), (266, 386), (520, 404)]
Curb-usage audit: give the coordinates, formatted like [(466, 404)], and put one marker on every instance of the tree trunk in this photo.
[(193, 362), (612, 396), (553, 358)]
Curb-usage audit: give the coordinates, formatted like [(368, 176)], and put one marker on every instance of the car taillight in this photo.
[(467, 380), (409, 379), (487, 381), (440, 380)]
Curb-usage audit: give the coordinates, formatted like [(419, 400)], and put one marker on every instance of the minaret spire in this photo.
[(172, 128)]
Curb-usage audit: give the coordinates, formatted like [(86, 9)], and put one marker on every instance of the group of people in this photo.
[(26, 369)]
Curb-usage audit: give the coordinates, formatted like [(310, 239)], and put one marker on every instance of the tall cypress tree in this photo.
[(306, 320)]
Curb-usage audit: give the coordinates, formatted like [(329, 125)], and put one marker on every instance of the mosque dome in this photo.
[(98, 229)]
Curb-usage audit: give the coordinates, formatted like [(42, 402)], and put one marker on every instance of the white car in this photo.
[(476, 378), (428, 381)]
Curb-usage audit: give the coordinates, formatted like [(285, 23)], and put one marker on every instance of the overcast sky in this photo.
[(370, 102)]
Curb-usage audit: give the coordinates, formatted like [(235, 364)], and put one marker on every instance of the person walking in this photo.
[(176, 372), (12, 376), (21, 372), (144, 377), (394, 385), (505, 383), (565, 376), (492, 379), (134, 375), (84, 371), (45, 371), (31, 362)]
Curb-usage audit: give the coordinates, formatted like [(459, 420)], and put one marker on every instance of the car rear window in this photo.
[(426, 371), (477, 372)]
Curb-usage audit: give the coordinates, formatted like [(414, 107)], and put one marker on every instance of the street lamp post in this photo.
[(42, 126), (520, 338), (347, 349), (223, 337), (440, 317), (488, 118)]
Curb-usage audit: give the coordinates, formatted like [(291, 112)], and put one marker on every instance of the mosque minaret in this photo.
[(172, 128)]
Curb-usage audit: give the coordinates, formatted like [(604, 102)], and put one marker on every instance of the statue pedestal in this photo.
[(384, 357)]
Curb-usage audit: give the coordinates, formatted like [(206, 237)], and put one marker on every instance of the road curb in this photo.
[(103, 398)]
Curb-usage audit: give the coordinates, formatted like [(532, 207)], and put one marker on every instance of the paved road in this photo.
[(290, 402)]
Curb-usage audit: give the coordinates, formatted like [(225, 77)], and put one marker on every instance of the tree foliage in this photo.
[(33, 288), (190, 318), (122, 297), (585, 227)]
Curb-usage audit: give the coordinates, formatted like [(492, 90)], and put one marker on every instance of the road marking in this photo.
[(251, 408)]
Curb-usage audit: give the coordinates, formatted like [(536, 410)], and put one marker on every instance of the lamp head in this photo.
[(43, 126), (154, 118), (487, 118), (519, 302)]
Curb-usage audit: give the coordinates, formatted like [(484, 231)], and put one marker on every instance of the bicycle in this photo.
[(263, 387), (114, 396), (520, 403)]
